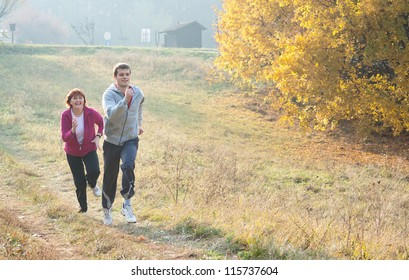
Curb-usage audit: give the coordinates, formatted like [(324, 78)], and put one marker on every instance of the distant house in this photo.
[(184, 35)]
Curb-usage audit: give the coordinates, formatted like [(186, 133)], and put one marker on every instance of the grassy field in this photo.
[(216, 179)]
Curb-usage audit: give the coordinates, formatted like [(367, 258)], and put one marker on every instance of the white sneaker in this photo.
[(107, 216), (127, 212), (96, 191)]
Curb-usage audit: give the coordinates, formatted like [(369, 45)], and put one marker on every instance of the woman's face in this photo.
[(77, 102)]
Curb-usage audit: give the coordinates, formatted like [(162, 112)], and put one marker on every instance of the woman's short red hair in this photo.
[(72, 93)]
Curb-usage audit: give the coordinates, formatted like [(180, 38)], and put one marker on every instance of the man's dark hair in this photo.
[(121, 66)]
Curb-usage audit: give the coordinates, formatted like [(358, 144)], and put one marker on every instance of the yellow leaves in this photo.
[(329, 60)]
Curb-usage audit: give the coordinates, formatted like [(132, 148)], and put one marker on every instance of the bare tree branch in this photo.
[(85, 31), (8, 6)]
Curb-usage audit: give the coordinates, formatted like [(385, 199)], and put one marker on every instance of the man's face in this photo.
[(123, 77)]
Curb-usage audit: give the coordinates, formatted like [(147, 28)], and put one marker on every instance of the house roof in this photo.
[(182, 25)]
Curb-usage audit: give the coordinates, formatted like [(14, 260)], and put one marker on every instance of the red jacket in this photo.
[(91, 118)]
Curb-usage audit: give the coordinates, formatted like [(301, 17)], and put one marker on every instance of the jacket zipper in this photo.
[(84, 129), (126, 118)]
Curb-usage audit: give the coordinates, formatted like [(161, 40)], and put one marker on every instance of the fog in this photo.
[(124, 22)]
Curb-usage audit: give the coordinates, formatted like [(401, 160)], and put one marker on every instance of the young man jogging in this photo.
[(122, 105)]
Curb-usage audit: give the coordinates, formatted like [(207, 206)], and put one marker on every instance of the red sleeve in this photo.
[(99, 121), (66, 125)]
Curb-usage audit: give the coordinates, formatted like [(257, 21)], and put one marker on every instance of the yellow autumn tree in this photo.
[(324, 60)]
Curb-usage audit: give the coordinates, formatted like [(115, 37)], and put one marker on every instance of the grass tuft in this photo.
[(195, 230)]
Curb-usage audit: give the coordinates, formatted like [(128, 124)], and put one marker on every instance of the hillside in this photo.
[(215, 178)]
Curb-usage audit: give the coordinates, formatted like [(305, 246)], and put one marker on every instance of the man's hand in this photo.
[(128, 94)]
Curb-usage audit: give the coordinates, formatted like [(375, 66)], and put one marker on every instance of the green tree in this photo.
[(322, 60)]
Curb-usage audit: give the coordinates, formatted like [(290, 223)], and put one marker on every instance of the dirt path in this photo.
[(25, 215), (43, 214)]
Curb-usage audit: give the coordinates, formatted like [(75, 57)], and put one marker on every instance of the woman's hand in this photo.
[(74, 125), (96, 141)]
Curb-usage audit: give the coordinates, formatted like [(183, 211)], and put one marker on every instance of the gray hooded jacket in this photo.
[(120, 122)]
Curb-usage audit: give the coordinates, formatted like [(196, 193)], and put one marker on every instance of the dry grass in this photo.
[(18, 242), (42, 223), (208, 168)]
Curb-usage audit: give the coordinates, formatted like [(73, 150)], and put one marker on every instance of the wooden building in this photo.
[(184, 35)]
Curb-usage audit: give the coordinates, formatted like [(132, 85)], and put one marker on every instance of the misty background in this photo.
[(113, 22)]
